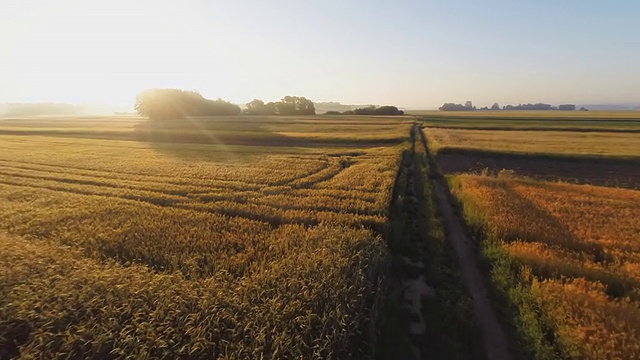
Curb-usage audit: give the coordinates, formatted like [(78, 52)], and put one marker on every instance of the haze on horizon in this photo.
[(415, 54)]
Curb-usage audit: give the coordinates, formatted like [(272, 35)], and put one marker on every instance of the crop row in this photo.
[(266, 169), (577, 251), (306, 302), (119, 218), (173, 195), (114, 249), (23, 204)]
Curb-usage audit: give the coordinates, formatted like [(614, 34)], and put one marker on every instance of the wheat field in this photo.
[(543, 142), (578, 251), (157, 249)]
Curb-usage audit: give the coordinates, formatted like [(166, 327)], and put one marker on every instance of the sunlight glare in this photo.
[(101, 50)]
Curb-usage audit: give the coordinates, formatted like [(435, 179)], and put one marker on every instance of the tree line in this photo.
[(165, 104), (289, 105), (468, 106), (370, 110)]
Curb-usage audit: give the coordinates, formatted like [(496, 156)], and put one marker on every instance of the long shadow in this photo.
[(189, 138), (202, 137), (534, 128), (565, 239), (617, 172), (563, 236)]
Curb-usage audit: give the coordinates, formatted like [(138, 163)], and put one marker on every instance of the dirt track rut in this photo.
[(493, 335)]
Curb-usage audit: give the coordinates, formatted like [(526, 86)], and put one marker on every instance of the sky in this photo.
[(413, 54)]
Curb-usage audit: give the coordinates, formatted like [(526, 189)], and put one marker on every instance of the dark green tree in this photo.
[(373, 110)]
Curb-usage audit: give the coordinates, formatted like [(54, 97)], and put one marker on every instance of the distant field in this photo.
[(600, 157), (528, 115), (577, 250), (236, 130), (581, 125), (590, 144), (230, 237)]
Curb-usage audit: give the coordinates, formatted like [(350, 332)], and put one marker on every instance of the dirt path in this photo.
[(405, 338), (415, 287), (493, 336)]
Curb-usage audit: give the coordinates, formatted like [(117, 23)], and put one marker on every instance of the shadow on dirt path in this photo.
[(494, 338), (493, 335)]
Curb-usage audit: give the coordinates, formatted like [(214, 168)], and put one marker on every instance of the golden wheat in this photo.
[(583, 244), (116, 248)]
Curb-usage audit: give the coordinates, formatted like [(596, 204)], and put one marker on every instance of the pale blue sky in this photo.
[(408, 53)]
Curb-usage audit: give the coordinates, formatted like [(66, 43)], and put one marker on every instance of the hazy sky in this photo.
[(406, 53)]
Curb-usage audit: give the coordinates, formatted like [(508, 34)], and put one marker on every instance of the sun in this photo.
[(86, 51)]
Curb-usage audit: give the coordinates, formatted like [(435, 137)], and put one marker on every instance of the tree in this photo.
[(254, 106), (452, 107), (495, 106), (468, 105), (165, 104), (219, 107), (373, 110), (158, 104), (388, 110), (288, 105), (294, 105), (538, 106), (258, 107), (569, 107), (306, 106)]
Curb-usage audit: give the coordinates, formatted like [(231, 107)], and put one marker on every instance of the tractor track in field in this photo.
[(186, 190), (410, 286), (224, 210), (130, 176), (494, 338), (415, 286), (170, 198), (318, 177)]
